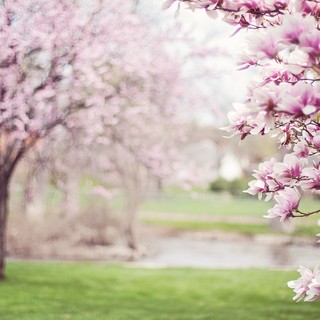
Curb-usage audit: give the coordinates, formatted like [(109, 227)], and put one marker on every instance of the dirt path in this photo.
[(200, 217)]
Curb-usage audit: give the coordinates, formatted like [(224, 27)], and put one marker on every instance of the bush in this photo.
[(234, 187)]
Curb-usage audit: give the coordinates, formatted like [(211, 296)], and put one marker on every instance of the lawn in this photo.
[(205, 202), (222, 206), (58, 291)]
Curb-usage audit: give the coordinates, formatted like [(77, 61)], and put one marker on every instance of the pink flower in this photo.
[(312, 179), (265, 169), (306, 7), (293, 26), (301, 149), (278, 75), (257, 187), (290, 168), (239, 121), (265, 97), (287, 202), (313, 294), (301, 285), (264, 179), (300, 100), (264, 45), (311, 41), (316, 141), (252, 4)]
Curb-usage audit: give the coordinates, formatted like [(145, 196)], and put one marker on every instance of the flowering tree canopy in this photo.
[(284, 45), (74, 63), (93, 69), (137, 140), (59, 57)]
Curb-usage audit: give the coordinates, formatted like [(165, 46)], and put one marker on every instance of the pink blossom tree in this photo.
[(284, 45), (132, 144), (59, 58), (138, 139)]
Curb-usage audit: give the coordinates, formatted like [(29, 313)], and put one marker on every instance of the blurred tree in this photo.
[(137, 142), (59, 58)]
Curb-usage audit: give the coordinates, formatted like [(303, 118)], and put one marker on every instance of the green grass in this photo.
[(207, 204), (177, 201), (214, 203), (35, 291), (301, 230)]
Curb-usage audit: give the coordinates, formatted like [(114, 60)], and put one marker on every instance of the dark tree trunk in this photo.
[(11, 153), (4, 197)]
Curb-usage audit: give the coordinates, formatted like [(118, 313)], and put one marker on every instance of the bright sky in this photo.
[(227, 84)]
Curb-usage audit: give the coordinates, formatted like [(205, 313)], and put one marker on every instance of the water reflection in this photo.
[(280, 255), (181, 252)]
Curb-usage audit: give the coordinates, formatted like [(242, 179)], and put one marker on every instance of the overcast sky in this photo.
[(227, 84)]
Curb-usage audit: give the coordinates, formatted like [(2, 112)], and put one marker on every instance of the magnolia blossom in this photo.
[(263, 45), (273, 176), (313, 294), (287, 202), (264, 182), (302, 286), (239, 124), (301, 149), (301, 100), (290, 169), (312, 179), (293, 27)]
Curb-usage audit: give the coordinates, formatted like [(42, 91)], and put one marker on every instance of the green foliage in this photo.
[(52, 291), (219, 185), (235, 187)]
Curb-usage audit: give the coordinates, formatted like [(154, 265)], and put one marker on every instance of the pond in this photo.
[(185, 252)]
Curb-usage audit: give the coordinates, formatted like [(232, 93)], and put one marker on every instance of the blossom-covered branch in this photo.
[(284, 46)]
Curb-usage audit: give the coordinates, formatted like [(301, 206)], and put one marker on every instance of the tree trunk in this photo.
[(131, 222), (130, 231), (34, 194), (70, 207), (3, 223)]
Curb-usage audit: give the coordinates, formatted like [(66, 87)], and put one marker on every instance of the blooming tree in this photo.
[(60, 58), (131, 145), (284, 45), (100, 88), (137, 140)]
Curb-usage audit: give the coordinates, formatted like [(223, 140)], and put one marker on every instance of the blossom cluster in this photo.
[(251, 14), (64, 63), (284, 182), (284, 46), (307, 287)]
